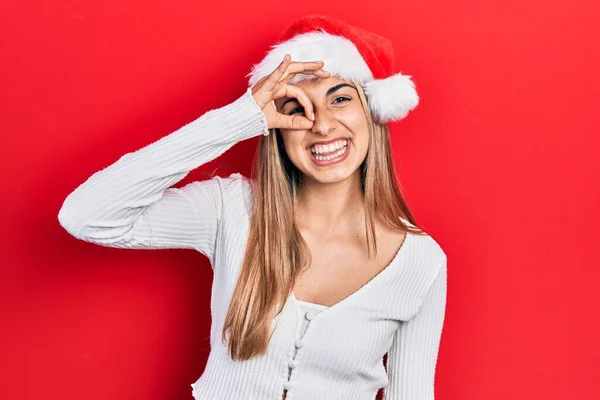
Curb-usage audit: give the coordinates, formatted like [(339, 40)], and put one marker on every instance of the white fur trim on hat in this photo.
[(339, 55), (389, 99)]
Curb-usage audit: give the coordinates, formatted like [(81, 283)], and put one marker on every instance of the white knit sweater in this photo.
[(132, 204)]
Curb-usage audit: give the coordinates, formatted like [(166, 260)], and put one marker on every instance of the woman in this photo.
[(319, 268)]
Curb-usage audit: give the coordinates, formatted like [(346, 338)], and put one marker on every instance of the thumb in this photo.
[(294, 122)]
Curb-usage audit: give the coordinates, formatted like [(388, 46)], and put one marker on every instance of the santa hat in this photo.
[(351, 53)]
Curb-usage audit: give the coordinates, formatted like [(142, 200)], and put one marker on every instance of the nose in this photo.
[(324, 123)]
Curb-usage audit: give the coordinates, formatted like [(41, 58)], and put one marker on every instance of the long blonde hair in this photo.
[(276, 253)]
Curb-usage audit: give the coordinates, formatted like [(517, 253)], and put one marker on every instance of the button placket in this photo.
[(298, 344), (309, 316)]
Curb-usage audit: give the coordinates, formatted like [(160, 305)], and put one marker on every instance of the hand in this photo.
[(275, 86)]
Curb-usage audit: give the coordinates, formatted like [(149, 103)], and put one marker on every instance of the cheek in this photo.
[(355, 120), (292, 142), (354, 113)]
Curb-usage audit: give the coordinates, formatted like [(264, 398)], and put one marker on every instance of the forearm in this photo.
[(109, 202)]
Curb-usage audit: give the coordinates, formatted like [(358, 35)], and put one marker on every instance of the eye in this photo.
[(294, 110), (342, 99)]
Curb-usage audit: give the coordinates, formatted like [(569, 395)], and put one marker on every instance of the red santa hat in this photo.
[(351, 53)]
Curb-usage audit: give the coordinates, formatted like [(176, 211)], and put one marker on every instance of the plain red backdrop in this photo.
[(499, 162)]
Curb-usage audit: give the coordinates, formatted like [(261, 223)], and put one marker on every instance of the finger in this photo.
[(309, 65), (275, 76), (284, 68), (297, 67), (284, 90), (294, 122), (259, 84), (299, 94), (320, 73)]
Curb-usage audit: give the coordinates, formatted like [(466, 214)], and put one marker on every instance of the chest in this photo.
[(337, 271), (353, 334)]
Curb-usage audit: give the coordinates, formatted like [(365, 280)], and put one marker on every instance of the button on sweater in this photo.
[(400, 312), (306, 310)]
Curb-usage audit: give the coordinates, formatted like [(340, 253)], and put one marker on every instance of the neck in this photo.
[(327, 207)]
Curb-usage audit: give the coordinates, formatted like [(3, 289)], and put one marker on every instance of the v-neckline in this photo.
[(370, 282)]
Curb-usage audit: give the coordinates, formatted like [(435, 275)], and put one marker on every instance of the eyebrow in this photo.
[(338, 87), (330, 91)]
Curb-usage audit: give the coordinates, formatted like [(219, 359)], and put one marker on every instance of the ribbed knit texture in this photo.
[(131, 204)]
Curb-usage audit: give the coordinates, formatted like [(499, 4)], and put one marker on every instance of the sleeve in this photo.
[(412, 359), (131, 204)]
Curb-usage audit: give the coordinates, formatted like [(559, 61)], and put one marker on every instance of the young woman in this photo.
[(319, 267)]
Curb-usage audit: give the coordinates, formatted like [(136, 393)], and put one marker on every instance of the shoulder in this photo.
[(238, 190), (425, 249), (233, 192), (234, 184)]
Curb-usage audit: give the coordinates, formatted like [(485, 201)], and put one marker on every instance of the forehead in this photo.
[(312, 83)]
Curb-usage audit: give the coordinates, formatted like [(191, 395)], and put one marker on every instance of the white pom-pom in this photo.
[(391, 99)]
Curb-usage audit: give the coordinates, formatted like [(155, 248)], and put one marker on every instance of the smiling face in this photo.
[(335, 147)]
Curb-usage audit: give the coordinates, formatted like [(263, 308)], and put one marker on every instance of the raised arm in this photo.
[(413, 356), (130, 204)]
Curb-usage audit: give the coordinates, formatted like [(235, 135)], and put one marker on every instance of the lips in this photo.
[(326, 141), (329, 148), (332, 153)]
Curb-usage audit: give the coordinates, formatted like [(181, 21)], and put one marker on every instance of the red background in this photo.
[(499, 163)]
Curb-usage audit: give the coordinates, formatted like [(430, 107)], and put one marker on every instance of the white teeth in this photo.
[(338, 153), (332, 147)]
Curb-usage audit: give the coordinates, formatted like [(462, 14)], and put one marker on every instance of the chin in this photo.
[(332, 176)]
